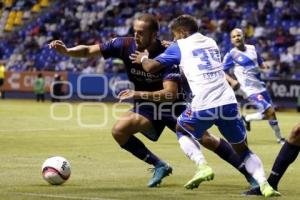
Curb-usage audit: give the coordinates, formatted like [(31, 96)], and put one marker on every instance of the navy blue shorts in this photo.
[(160, 115), (226, 118)]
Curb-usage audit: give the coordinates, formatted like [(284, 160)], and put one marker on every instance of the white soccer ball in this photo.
[(56, 170)]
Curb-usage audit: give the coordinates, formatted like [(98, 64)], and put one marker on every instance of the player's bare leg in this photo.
[(123, 132)]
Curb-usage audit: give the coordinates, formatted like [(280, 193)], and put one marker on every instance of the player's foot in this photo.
[(267, 190), (161, 170), (247, 124), (203, 173), (253, 191), (253, 183), (281, 141)]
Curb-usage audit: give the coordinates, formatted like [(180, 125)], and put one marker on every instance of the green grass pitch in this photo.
[(101, 169)]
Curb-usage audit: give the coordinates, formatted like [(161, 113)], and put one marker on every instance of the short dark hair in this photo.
[(151, 20), (185, 22)]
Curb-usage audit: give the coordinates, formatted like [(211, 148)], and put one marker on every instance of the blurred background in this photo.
[(27, 26)]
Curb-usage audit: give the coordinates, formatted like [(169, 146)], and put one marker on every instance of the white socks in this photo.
[(254, 166), (191, 149), (254, 117), (274, 125)]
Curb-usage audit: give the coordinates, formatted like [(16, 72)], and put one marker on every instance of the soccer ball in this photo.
[(56, 170)]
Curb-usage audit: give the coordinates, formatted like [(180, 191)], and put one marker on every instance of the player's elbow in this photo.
[(170, 96), (92, 51), (151, 66)]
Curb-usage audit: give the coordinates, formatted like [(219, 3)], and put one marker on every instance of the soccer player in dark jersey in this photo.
[(286, 156), (150, 89)]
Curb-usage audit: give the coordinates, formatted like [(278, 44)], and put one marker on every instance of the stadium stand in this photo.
[(27, 26)]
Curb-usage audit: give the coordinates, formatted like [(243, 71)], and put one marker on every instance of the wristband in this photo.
[(143, 58)]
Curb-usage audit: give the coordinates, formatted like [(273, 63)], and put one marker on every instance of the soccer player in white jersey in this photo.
[(214, 102), (245, 62)]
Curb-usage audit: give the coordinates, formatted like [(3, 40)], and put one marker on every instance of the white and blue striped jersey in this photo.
[(245, 65), (199, 59)]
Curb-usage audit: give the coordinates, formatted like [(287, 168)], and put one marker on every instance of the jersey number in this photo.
[(205, 55)]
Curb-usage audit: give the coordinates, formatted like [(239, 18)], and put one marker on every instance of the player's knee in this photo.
[(241, 147), (179, 129), (294, 137), (209, 141), (117, 132), (270, 113)]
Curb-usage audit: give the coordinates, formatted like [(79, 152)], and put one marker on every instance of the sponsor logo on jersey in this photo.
[(260, 97), (144, 74), (189, 113)]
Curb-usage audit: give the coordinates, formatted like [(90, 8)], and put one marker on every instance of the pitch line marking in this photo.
[(50, 129), (59, 196)]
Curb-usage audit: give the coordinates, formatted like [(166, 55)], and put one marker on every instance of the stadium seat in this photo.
[(8, 3), (92, 17), (44, 3), (36, 8), (8, 27), (18, 19)]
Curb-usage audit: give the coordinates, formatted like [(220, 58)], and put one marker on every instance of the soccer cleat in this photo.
[(267, 190), (247, 124), (203, 173), (161, 170), (253, 183), (281, 141), (253, 191)]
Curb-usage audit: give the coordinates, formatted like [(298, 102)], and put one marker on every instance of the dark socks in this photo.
[(286, 156), (139, 150), (227, 153)]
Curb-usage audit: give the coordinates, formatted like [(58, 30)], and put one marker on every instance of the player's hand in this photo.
[(138, 56), (264, 66), (166, 43), (235, 85), (126, 94), (58, 46)]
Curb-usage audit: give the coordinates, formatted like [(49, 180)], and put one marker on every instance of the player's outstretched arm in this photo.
[(166, 43), (149, 65), (80, 51), (167, 94), (233, 83)]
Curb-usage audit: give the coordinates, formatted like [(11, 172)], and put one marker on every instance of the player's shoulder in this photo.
[(250, 46), (123, 39), (231, 52)]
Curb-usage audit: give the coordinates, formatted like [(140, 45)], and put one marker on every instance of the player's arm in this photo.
[(233, 83), (170, 57), (168, 93), (166, 43), (80, 51), (261, 62), (149, 65), (263, 65), (228, 64)]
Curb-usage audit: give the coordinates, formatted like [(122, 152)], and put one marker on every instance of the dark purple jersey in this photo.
[(123, 47)]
